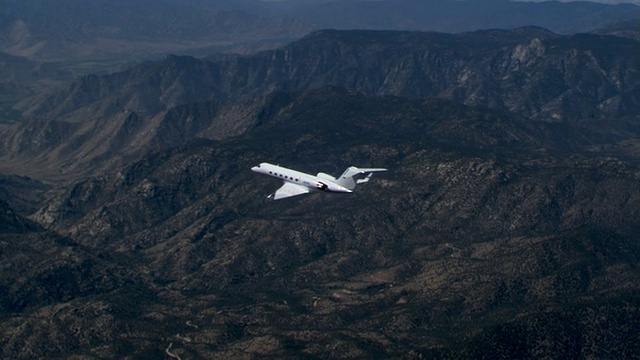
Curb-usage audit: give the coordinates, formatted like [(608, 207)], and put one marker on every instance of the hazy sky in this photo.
[(636, 2)]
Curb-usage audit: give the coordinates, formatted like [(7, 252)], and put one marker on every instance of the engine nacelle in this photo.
[(332, 187), (321, 186)]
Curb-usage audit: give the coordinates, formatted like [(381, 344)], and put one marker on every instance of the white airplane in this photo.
[(298, 183)]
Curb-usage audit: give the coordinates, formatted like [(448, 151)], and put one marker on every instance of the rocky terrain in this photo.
[(506, 227), (97, 123)]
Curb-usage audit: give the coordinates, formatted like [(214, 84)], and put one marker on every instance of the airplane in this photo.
[(298, 183)]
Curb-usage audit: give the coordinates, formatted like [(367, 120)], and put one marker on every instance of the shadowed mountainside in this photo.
[(78, 297), (23, 194), (103, 121), (488, 229), (541, 69)]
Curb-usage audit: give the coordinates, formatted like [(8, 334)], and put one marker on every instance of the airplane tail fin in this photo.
[(353, 176)]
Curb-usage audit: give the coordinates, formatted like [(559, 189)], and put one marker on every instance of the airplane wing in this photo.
[(289, 190)]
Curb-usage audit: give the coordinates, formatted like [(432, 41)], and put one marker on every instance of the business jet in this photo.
[(298, 183)]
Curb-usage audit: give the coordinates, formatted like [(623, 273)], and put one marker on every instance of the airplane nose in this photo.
[(255, 168)]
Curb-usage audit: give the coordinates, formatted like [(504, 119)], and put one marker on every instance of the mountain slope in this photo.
[(493, 235), (486, 230), (56, 295), (541, 69), (530, 72)]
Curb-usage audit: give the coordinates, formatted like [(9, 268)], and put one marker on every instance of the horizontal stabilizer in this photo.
[(370, 170), (362, 181)]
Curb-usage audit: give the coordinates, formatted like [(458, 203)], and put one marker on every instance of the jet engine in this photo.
[(331, 186), (322, 186)]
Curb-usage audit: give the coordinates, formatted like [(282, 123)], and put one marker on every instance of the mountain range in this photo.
[(133, 29), (506, 226), (59, 42), (490, 237), (101, 122)]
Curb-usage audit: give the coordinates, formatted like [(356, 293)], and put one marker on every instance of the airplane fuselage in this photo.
[(324, 183)]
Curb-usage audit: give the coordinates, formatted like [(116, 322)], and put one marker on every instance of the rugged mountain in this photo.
[(530, 72), (474, 68), (309, 118), (506, 228), (109, 142), (489, 229), (23, 194), (56, 295), (10, 222)]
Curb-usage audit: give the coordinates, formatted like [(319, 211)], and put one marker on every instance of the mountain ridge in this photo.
[(543, 75), (291, 69), (494, 234)]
